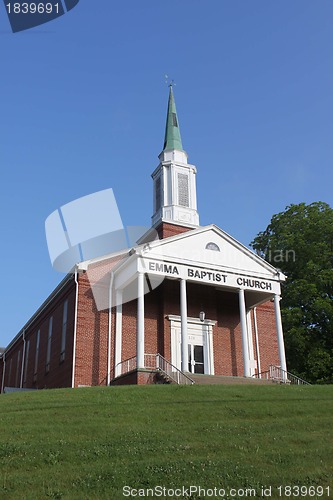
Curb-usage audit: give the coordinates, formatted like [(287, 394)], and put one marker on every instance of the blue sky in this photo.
[(83, 108)]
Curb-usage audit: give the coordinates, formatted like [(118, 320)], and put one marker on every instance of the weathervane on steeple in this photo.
[(169, 81)]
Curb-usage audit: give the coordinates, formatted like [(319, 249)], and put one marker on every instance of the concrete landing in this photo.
[(220, 379)]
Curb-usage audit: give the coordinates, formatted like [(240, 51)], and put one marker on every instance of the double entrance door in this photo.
[(196, 363), (200, 349)]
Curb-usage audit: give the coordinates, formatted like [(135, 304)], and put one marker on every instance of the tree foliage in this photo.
[(299, 241)]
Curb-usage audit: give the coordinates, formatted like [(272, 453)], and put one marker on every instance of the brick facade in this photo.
[(93, 330), (25, 365)]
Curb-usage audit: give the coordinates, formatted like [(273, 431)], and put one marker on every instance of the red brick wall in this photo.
[(91, 339), (59, 374), (267, 336)]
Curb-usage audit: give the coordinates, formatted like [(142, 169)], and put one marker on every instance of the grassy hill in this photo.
[(90, 443)]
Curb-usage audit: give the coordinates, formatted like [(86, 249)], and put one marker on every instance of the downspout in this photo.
[(23, 359), (108, 377), (257, 340), (3, 374), (75, 325)]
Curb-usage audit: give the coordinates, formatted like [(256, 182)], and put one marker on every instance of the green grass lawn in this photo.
[(90, 443)]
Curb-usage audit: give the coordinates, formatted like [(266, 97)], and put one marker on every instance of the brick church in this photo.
[(187, 303)]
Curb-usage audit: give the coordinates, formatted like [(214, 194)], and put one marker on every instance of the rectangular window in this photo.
[(64, 331), (10, 372), (48, 349), (18, 366), (36, 355), (183, 191), (26, 361), (157, 194)]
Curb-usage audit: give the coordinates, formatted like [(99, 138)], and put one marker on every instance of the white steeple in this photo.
[(175, 199)]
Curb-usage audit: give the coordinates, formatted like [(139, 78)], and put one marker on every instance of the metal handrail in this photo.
[(153, 362), (277, 374), (125, 366), (158, 362)]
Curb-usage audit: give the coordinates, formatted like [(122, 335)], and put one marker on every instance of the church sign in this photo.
[(211, 276)]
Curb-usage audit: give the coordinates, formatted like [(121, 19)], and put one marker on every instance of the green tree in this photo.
[(299, 241)]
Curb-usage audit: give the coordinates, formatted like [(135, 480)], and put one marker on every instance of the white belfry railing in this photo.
[(154, 362)]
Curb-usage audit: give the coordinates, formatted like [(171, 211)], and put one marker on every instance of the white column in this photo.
[(140, 337), (250, 342), (118, 333), (183, 325), (245, 345), (210, 350), (282, 354), (108, 375)]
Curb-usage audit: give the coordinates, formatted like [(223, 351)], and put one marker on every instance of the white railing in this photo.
[(154, 362), (125, 366), (158, 362), (277, 374)]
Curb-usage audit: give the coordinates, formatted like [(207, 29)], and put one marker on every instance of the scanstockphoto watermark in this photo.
[(87, 231), (24, 15), (278, 255), (188, 492), (281, 491)]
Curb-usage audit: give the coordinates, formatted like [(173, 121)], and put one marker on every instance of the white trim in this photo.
[(190, 319), (75, 325), (23, 359)]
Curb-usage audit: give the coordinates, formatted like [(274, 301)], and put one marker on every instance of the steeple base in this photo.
[(166, 230), (176, 214)]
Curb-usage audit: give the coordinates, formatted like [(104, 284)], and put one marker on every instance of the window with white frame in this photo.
[(48, 348), (10, 371), (36, 355), (64, 331), (17, 378), (26, 361)]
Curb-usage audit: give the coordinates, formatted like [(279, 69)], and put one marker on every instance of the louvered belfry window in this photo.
[(183, 191)]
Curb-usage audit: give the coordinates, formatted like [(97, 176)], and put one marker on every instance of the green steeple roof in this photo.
[(172, 139)]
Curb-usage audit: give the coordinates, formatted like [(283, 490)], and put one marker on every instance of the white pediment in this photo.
[(211, 248)]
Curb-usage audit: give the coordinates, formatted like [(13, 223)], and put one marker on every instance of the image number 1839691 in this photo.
[(24, 15)]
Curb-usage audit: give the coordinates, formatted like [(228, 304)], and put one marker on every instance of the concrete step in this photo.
[(220, 379)]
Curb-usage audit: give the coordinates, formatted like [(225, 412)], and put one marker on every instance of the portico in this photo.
[(192, 338)]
